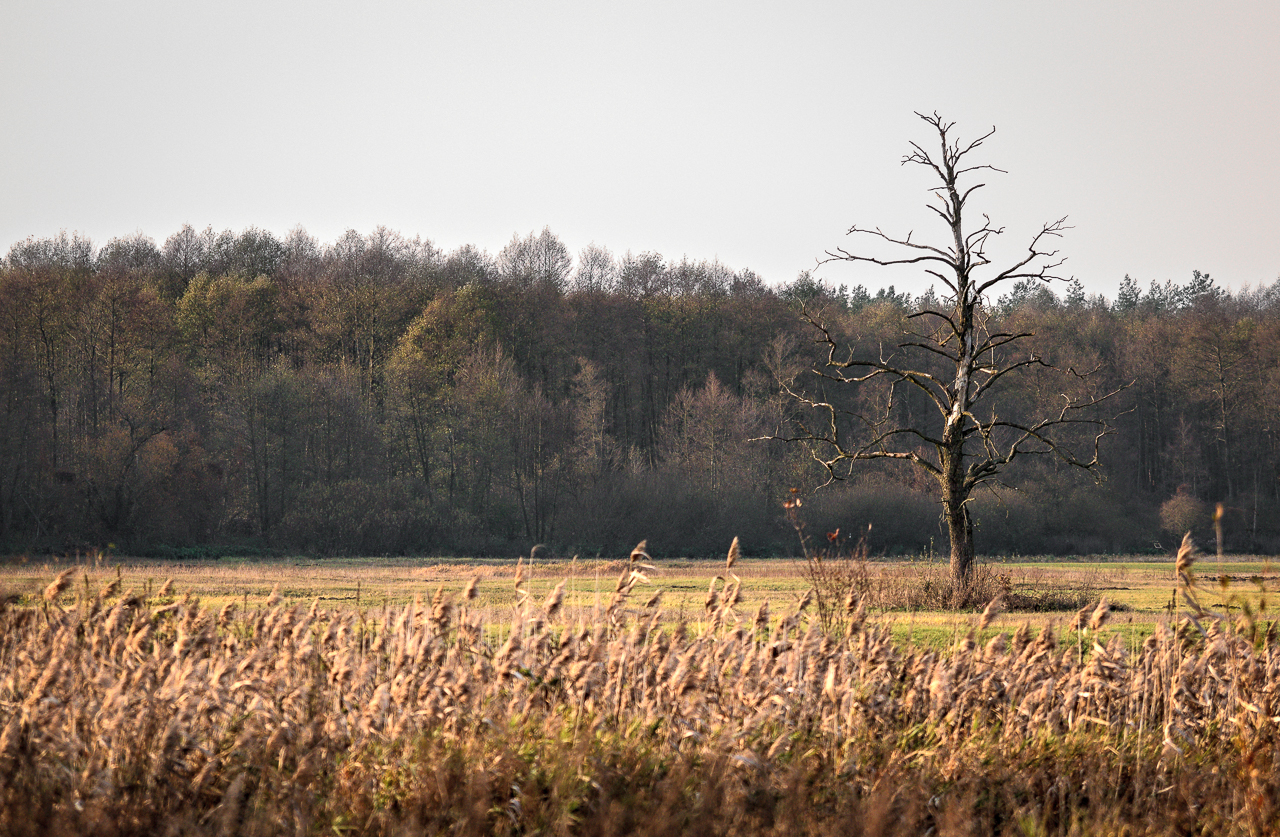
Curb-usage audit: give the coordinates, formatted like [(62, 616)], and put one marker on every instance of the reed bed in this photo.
[(130, 714)]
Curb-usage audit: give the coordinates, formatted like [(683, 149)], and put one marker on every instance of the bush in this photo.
[(1183, 513), (843, 580), (357, 517), (621, 510), (895, 518)]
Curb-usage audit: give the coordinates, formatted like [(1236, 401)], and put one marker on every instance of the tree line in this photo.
[(377, 395)]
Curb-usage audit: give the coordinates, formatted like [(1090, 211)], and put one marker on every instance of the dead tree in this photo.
[(955, 354)]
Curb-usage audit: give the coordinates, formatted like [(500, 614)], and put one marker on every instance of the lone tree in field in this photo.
[(955, 354)]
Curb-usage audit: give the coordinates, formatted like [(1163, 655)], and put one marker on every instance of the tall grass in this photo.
[(841, 576), (123, 714)]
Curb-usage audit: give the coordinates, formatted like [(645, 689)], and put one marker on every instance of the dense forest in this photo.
[(378, 396)]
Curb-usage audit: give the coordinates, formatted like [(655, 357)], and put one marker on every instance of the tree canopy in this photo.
[(376, 395)]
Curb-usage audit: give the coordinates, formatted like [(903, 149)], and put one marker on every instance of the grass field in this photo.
[(1139, 589)]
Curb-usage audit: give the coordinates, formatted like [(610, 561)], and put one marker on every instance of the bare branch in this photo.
[(933, 313), (1016, 271), (842, 254), (1001, 339), (958, 362)]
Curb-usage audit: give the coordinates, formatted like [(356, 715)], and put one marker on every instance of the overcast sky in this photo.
[(755, 133)]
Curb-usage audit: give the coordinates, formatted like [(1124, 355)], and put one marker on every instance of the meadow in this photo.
[(632, 697), (1139, 588)]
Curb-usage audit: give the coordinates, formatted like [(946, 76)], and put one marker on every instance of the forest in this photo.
[(238, 393)]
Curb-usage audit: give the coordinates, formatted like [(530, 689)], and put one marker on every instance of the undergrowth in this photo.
[(840, 574)]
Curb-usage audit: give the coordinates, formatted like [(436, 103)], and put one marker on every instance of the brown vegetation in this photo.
[(842, 578), (128, 715)]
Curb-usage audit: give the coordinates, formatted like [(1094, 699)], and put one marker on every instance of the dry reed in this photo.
[(131, 717)]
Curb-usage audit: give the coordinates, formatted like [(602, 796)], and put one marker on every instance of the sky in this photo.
[(752, 133)]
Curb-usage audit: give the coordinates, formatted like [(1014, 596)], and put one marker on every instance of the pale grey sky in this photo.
[(751, 132)]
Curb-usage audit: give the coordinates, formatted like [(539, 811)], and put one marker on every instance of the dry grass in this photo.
[(841, 575), (126, 712)]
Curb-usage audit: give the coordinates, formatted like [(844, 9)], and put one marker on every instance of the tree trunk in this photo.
[(959, 525), (960, 528)]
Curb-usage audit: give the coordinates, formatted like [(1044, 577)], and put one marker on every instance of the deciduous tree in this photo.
[(954, 356)]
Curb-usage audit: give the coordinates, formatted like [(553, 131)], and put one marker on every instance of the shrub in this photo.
[(1183, 513)]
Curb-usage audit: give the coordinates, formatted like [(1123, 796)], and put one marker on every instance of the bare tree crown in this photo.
[(955, 353)]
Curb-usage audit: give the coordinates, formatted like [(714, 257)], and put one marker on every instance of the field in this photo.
[(382, 697), (1139, 589)]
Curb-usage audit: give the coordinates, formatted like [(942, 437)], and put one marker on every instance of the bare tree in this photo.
[(536, 261), (953, 353)]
